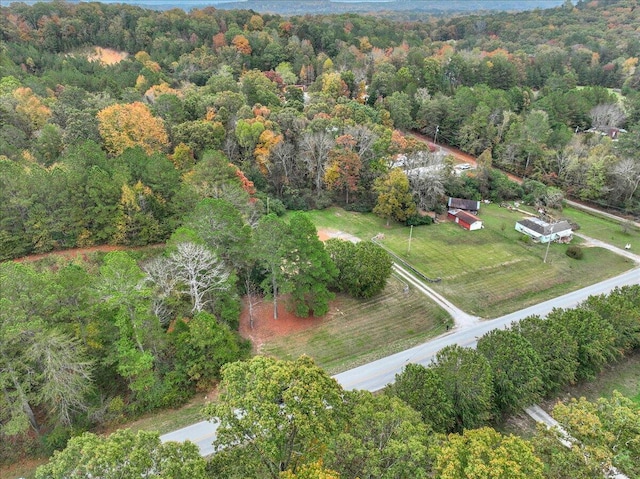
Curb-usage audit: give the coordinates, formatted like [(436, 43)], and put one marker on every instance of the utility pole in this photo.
[(547, 252), (410, 235)]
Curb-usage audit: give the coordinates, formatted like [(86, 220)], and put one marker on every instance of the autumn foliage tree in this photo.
[(395, 199), (125, 126), (344, 167)]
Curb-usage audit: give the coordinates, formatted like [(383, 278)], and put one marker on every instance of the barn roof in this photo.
[(463, 204), (466, 217)]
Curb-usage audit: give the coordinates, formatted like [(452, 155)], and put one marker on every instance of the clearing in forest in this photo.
[(354, 331)]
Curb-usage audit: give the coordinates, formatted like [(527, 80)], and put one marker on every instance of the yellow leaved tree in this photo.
[(125, 126)]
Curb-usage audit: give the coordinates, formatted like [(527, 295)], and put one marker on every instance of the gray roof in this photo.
[(460, 203), (543, 227)]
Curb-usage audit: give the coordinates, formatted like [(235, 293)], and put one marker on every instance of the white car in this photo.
[(464, 166)]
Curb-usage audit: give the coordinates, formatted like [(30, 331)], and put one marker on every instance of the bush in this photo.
[(525, 239), (417, 220), (574, 252), (359, 207)]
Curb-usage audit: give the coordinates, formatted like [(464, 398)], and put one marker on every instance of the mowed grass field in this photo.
[(356, 332), (603, 229), (489, 272)]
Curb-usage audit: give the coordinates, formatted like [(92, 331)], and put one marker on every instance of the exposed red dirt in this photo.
[(81, 252), (265, 327), (461, 155)]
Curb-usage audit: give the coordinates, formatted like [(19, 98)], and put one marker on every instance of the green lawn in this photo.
[(489, 272), (358, 331), (604, 229), (623, 376)]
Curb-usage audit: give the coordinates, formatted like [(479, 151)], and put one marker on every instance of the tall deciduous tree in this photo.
[(314, 470), (281, 413), (203, 346), (315, 148), (488, 454), (271, 239), (595, 338), (608, 429), (556, 348), (41, 367), (516, 368), (468, 382), (221, 226), (363, 267), (423, 390), (121, 288), (621, 309), (311, 268), (125, 126), (344, 167), (382, 437), (395, 200), (198, 273)]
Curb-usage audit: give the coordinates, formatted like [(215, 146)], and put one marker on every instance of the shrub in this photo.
[(574, 252), (525, 239), (417, 220), (359, 207), (275, 206)]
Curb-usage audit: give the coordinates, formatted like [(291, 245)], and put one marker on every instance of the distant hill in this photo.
[(302, 7)]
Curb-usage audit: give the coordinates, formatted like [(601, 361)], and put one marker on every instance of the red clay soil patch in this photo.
[(265, 327), (324, 235)]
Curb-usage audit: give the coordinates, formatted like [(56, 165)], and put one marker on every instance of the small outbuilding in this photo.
[(465, 219), (543, 232), (470, 206)]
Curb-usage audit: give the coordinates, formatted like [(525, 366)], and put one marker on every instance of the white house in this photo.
[(544, 232)]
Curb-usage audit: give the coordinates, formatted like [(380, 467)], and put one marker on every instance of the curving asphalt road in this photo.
[(377, 374)]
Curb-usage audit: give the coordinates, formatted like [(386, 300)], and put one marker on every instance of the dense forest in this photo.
[(537, 93), (196, 132)]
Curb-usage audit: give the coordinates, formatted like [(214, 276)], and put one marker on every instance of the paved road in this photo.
[(375, 375)]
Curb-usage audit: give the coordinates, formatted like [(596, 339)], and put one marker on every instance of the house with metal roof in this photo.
[(544, 232)]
